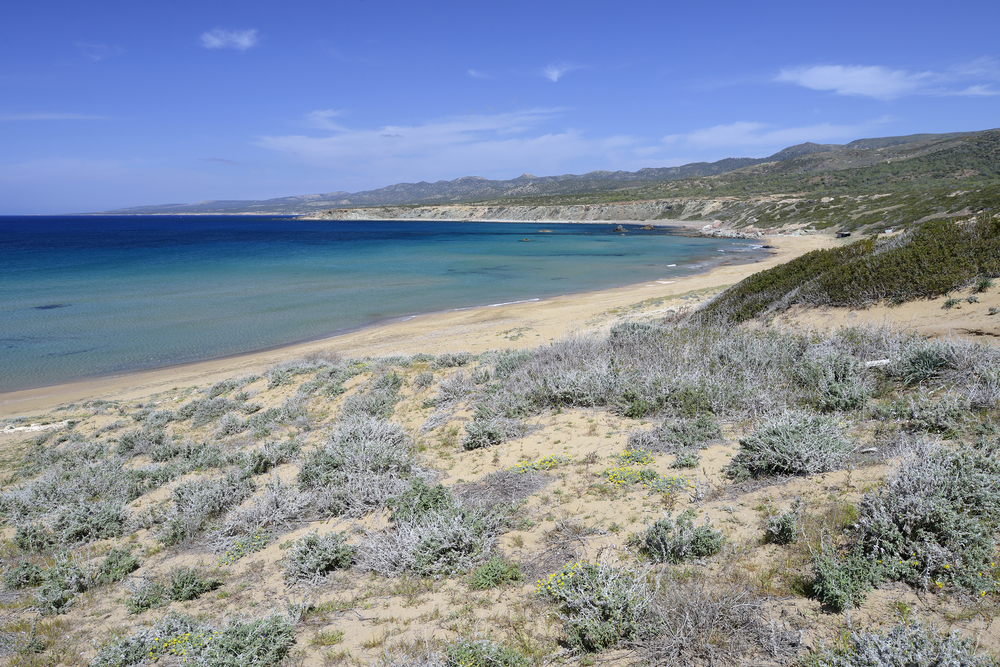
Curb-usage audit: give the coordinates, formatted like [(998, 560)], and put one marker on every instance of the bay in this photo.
[(85, 296)]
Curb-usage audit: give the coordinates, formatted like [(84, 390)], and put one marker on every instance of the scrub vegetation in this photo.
[(688, 491)]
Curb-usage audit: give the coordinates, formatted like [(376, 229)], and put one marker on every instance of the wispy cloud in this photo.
[(491, 145), (476, 74), (321, 120), (555, 71), (884, 83), (50, 116), (216, 159), (745, 135), (96, 52), (241, 40)]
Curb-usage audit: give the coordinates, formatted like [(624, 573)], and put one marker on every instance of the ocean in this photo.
[(86, 296)]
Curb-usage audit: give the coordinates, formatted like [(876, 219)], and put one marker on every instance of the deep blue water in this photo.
[(89, 296)]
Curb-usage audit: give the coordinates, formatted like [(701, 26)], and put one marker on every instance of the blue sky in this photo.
[(112, 104)]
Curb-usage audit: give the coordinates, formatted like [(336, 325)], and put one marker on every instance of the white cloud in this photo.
[(490, 145), (476, 74), (96, 52), (888, 84), (745, 134), (321, 119), (50, 116), (555, 71), (241, 40)]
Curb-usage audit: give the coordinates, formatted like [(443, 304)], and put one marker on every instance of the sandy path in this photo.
[(475, 330)]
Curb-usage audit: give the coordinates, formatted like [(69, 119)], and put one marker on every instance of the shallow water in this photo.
[(90, 296)]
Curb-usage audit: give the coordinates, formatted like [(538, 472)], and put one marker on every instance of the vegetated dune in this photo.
[(654, 489)]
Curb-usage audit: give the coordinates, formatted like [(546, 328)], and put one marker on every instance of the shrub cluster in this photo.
[(792, 444), (184, 583), (677, 436), (933, 523), (377, 400), (928, 260), (600, 605), (482, 653), (366, 462), (316, 555), (433, 534), (262, 642), (668, 541), (783, 528), (904, 646), (662, 621), (494, 573), (58, 584)]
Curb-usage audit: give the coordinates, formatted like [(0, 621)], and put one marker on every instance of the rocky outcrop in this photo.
[(728, 210), (724, 216)]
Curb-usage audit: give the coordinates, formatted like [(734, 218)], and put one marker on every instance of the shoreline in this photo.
[(474, 329)]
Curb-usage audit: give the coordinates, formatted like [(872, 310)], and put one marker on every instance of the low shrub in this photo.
[(904, 646), (34, 538), (482, 653), (438, 543), (87, 522), (277, 508), (600, 605), (244, 545), (316, 555), (686, 460), (921, 362), (843, 579), (932, 524), (488, 428), (783, 528), (452, 359), (792, 444), (673, 436), (231, 423), (207, 410), (835, 382), (199, 501), (945, 415), (117, 564), (262, 642), (187, 584), (22, 575), (377, 400), (420, 500), (366, 462), (494, 573), (144, 594), (133, 443), (669, 541), (262, 460), (60, 584)]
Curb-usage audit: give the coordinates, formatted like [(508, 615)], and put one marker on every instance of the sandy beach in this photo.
[(474, 330)]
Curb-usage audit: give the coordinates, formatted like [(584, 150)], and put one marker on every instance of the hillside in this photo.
[(601, 186)]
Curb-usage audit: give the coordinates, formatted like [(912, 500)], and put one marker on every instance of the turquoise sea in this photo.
[(86, 296)]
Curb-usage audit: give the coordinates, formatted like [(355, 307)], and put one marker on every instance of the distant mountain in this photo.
[(802, 158)]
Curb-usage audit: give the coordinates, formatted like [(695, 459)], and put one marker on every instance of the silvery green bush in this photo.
[(794, 443)]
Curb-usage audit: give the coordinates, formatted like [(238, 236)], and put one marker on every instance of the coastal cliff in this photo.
[(743, 216), (732, 211)]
